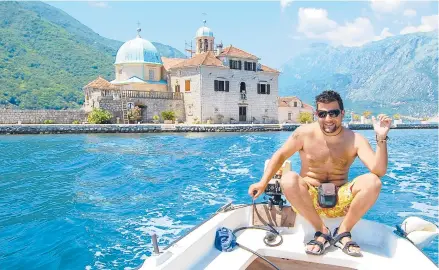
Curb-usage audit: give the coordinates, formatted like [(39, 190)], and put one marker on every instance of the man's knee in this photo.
[(375, 183), (290, 181)]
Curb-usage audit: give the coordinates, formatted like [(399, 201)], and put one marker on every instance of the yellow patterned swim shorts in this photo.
[(344, 200)]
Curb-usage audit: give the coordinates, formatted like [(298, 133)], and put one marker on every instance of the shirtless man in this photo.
[(327, 150)]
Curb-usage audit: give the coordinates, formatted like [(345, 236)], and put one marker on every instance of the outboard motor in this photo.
[(273, 189), (419, 231)]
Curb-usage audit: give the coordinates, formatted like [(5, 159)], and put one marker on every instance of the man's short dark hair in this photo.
[(329, 96)]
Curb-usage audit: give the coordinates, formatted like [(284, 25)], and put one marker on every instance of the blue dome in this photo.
[(204, 32), (138, 50)]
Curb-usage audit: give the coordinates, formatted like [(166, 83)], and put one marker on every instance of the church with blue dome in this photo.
[(214, 84)]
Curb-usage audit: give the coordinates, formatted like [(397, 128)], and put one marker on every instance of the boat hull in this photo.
[(381, 248)]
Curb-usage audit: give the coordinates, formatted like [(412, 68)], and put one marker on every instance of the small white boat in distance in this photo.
[(381, 247)]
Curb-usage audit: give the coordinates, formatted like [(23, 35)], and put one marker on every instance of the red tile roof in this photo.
[(202, 59), (286, 101), (170, 62), (233, 51), (307, 106), (100, 83), (268, 69)]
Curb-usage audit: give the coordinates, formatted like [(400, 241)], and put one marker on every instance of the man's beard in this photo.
[(329, 129)]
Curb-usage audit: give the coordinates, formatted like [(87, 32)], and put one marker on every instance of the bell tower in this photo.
[(204, 39)]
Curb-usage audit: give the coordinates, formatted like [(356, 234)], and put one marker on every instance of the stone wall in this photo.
[(141, 128), (150, 107), (203, 102), (192, 101), (8, 116), (260, 108), (156, 128)]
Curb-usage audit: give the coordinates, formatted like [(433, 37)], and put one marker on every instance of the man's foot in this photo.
[(321, 241), (342, 239)]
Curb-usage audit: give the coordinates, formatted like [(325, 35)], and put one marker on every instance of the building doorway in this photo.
[(143, 114), (242, 114)]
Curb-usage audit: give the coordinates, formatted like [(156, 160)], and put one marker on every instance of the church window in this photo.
[(206, 46), (249, 66), (221, 85), (263, 88), (177, 88), (187, 85), (289, 116), (295, 103), (235, 64), (151, 75)]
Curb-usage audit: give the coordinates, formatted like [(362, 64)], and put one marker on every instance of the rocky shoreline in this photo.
[(158, 128)]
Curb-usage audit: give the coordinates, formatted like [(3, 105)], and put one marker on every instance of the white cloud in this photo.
[(410, 12), (98, 4), (315, 24), (384, 6), (384, 34), (285, 3), (428, 23)]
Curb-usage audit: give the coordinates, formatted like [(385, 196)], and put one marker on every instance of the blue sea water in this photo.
[(92, 201)]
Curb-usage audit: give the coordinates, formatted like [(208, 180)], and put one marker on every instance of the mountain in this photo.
[(47, 56), (396, 75)]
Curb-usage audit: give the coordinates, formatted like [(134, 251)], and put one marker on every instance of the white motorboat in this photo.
[(381, 247)]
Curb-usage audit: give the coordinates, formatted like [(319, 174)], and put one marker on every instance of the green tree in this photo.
[(367, 114), (305, 117), (396, 116), (168, 115), (135, 113), (99, 116), (357, 117)]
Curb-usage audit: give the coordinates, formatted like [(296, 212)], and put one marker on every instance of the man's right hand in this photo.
[(256, 189)]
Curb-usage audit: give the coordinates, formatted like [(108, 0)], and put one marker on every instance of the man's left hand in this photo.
[(382, 125)]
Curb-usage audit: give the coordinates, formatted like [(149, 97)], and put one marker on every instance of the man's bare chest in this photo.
[(320, 154)]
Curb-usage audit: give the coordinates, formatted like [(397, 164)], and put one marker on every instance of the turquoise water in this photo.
[(91, 201)]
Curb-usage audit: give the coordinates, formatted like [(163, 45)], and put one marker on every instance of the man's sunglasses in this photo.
[(332, 113)]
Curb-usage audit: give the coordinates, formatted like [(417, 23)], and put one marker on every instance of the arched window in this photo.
[(242, 91), (242, 87), (206, 45), (200, 45)]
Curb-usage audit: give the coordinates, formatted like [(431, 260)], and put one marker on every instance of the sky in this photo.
[(273, 30)]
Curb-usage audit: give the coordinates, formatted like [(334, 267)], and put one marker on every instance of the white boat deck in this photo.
[(380, 247)]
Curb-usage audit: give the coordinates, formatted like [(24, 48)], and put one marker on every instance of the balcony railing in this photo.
[(143, 94)]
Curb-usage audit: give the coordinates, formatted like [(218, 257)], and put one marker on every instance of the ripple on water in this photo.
[(92, 201)]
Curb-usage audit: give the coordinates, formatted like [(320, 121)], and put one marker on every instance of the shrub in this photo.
[(75, 122), (357, 117), (168, 115), (49, 122), (305, 117), (396, 116), (135, 113), (156, 118), (366, 114), (99, 116)]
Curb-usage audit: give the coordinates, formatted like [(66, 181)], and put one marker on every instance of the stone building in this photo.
[(290, 109), (218, 85)]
